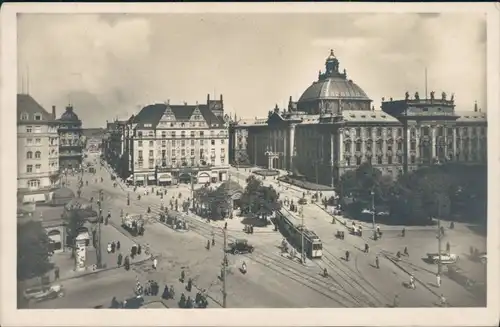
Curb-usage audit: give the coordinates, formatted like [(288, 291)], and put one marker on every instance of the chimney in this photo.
[(221, 98), (475, 106), (54, 112), (290, 99), (208, 98)]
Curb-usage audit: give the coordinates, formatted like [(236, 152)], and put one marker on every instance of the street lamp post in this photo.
[(439, 233), (302, 257), (99, 252), (373, 207)]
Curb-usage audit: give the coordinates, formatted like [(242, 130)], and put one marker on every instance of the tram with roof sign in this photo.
[(292, 229)]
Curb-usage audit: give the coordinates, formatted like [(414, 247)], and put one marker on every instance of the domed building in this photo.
[(333, 128), (70, 140)]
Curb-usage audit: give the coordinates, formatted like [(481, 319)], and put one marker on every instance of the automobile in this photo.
[(240, 246), (302, 201), (446, 258), (44, 292)]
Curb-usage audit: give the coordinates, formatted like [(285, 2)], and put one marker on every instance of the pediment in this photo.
[(168, 115), (275, 118), (196, 115)]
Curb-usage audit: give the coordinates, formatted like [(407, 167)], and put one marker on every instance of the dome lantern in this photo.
[(332, 63)]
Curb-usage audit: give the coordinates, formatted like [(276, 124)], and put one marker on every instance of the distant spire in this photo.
[(28, 78)]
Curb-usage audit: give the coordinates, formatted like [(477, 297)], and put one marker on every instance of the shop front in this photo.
[(139, 180), (164, 179), (222, 176), (56, 240), (151, 179), (203, 177), (214, 177)]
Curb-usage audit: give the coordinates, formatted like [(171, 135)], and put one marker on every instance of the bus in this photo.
[(292, 229)]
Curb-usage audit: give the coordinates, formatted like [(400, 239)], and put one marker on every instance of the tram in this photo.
[(292, 228)]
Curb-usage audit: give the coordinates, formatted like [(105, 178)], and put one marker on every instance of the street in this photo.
[(272, 280)]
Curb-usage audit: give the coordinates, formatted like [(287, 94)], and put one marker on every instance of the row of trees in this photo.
[(452, 191)]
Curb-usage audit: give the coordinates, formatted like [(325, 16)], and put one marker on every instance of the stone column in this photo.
[(433, 141), (454, 143), (291, 144), (340, 156)]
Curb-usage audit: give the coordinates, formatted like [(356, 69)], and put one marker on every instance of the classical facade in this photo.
[(37, 149), (114, 147), (167, 144), (71, 144), (333, 128)]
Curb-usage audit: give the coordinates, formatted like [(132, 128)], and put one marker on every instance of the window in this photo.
[(151, 164), (202, 134), (389, 132), (38, 129), (29, 155), (379, 160), (348, 161), (192, 133), (192, 152), (139, 134), (222, 141), (150, 143), (173, 152), (400, 159), (183, 143), (163, 144), (389, 160), (201, 153), (34, 183), (163, 134), (212, 142), (412, 159), (183, 134), (400, 132), (368, 132), (139, 144), (172, 134), (183, 152), (413, 146), (38, 117), (379, 131), (192, 142), (29, 168), (140, 154), (400, 146), (358, 132), (151, 154), (38, 155), (29, 141), (358, 161), (151, 133), (389, 147), (222, 160), (37, 168), (201, 142), (29, 129), (139, 164), (24, 116), (358, 146)]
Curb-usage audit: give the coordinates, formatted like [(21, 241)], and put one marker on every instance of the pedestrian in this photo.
[(117, 245), (406, 252), (225, 225), (189, 285), (127, 263), (113, 247), (447, 246), (438, 280), (208, 244), (133, 251), (108, 248), (443, 301), (139, 249), (213, 241), (377, 263), (165, 294), (366, 247), (346, 255), (120, 258), (155, 263), (56, 273), (403, 232), (395, 301), (183, 276), (182, 301)]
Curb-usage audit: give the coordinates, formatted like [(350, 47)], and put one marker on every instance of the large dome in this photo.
[(69, 115), (333, 88), (333, 85)]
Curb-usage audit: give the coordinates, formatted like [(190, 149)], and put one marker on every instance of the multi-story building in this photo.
[(70, 140), (93, 139), (37, 150), (333, 128), (114, 147), (175, 143), (238, 136)]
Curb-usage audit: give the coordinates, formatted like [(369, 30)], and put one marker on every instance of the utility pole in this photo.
[(373, 207), (439, 233), (99, 252), (224, 270), (303, 257)]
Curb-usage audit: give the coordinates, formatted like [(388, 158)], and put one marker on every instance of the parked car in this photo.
[(446, 258), (302, 201), (240, 246), (44, 292)]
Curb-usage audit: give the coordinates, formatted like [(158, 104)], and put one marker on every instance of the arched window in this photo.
[(29, 155), (38, 155)]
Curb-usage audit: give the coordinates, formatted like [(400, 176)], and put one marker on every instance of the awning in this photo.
[(165, 178), (33, 198), (139, 178), (151, 177)]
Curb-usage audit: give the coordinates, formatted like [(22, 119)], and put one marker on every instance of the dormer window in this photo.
[(38, 117), (24, 116)]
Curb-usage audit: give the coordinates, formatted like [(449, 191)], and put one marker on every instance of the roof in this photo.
[(471, 116), (152, 114), (63, 192), (333, 88), (365, 116), (251, 122), (69, 115), (230, 187), (93, 132), (27, 105)]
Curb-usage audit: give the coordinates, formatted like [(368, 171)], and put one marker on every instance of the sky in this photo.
[(111, 65)]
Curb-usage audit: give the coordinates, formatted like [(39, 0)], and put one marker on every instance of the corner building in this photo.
[(37, 150), (168, 144), (71, 144), (333, 128)]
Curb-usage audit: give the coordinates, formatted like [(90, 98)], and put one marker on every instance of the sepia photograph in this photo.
[(263, 157)]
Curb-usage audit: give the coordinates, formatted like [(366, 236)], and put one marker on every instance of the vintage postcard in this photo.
[(248, 160)]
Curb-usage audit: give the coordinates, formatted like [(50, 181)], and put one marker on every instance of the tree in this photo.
[(33, 250), (74, 222), (259, 199)]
